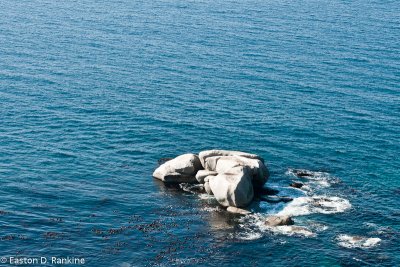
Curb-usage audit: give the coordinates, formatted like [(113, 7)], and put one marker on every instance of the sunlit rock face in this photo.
[(231, 176), (182, 169), (233, 188)]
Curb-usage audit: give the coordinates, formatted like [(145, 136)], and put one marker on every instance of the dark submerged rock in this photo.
[(270, 199), (296, 185), (265, 191), (286, 199), (275, 199)]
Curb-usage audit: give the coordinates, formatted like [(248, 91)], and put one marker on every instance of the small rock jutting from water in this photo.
[(238, 211), (296, 185), (231, 176), (279, 220)]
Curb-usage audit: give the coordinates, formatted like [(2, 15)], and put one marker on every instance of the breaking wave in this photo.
[(315, 204), (348, 241), (313, 180)]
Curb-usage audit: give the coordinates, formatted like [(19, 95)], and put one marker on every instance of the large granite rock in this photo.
[(222, 164), (234, 187), (202, 174), (258, 170), (181, 169), (212, 153), (231, 176), (210, 163)]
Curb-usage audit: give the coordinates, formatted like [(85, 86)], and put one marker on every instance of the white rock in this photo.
[(230, 175), (259, 172), (202, 174), (233, 188), (211, 163), (181, 169), (208, 188), (212, 153)]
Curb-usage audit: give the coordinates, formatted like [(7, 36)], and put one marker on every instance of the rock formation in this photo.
[(181, 169), (233, 187), (231, 176)]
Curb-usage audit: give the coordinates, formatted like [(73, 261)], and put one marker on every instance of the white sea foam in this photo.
[(304, 203), (291, 230), (357, 241), (206, 196), (183, 261), (376, 229), (315, 180), (249, 235), (309, 174), (316, 204), (253, 226), (210, 209), (318, 227)]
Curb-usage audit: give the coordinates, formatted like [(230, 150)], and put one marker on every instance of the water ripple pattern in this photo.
[(93, 93)]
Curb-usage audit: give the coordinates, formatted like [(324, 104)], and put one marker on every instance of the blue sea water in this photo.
[(93, 93)]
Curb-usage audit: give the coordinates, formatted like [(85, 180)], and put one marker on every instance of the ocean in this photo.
[(93, 93)]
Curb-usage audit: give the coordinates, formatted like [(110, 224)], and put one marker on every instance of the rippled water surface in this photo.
[(93, 93)]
